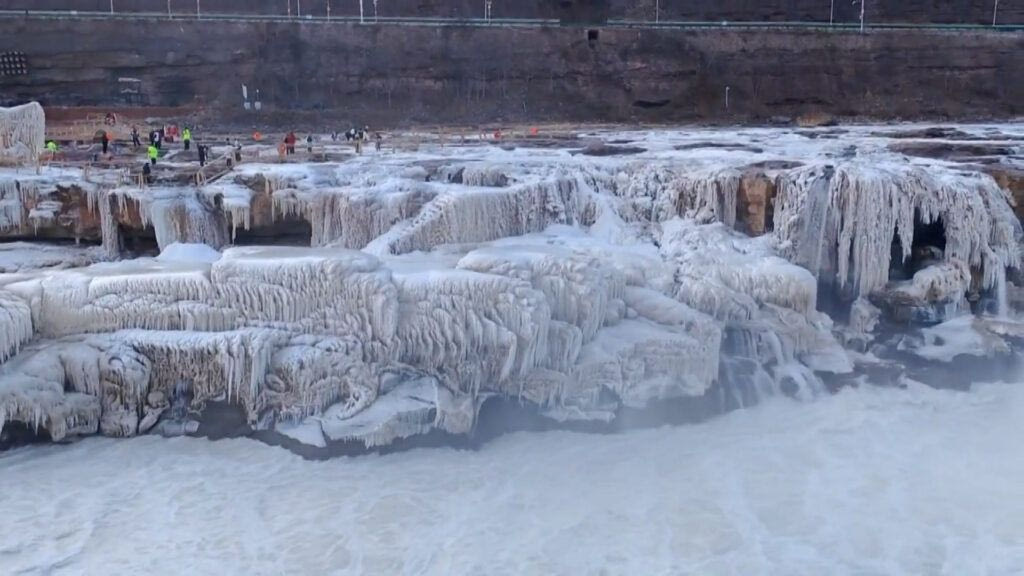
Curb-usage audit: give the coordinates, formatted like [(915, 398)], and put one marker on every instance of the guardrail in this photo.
[(504, 22)]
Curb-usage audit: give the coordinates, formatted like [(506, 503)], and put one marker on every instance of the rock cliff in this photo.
[(392, 75)]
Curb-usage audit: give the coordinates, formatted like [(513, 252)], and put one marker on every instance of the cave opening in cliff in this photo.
[(17, 433), (288, 232), (138, 242), (928, 247)]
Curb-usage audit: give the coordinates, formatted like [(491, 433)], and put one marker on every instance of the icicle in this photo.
[(22, 132), (848, 220)]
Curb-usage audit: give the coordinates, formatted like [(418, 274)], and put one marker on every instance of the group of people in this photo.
[(358, 136), (287, 146), (157, 138)]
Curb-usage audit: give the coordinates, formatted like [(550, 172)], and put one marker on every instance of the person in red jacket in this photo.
[(289, 142)]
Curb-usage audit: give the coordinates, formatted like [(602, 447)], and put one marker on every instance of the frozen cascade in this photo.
[(22, 133), (870, 204), (185, 218), (579, 285), (353, 218), (480, 215), (1002, 300), (11, 211), (15, 324), (766, 303)]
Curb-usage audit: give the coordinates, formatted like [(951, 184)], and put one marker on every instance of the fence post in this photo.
[(995, 12), (862, 3), (832, 13), (111, 6), (197, 10)]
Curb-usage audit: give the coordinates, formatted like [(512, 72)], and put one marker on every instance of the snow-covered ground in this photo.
[(577, 278), (869, 481)]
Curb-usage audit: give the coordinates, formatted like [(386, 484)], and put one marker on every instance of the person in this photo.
[(334, 136), (135, 137), (257, 136), (309, 143), (238, 151), (105, 139), (379, 140), (202, 155), (147, 173), (153, 152), (186, 137), (51, 147), (152, 137), (289, 142), (350, 135), (159, 137)]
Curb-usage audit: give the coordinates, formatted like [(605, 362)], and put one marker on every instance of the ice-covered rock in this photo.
[(436, 279), (840, 221)]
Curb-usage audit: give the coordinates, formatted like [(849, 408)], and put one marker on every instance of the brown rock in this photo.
[(815, 119), (71, 218), (754, 203), (1011, 179)]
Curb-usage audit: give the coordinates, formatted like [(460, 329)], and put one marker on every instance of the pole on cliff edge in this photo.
[(995, 12)]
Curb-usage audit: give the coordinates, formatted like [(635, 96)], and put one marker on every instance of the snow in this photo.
[(178, 252), (959, 336), (26, 256)]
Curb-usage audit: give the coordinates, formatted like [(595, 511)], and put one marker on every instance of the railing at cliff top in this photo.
[(506, 22)]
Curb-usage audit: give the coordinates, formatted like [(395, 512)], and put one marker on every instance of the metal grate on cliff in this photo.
[(13, 64)]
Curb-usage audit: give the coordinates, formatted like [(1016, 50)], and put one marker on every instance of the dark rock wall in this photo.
[(936, 11), (390, 75)]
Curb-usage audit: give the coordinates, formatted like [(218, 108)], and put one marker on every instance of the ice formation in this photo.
[(433, 281), (22, 131), (840, 221)]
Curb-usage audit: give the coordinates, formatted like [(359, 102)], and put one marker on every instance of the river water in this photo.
[(868, 481)]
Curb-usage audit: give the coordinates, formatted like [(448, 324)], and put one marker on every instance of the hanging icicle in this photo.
[(22, 133)]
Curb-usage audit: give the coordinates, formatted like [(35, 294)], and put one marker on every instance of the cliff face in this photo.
[(935, 11), (388, 75)]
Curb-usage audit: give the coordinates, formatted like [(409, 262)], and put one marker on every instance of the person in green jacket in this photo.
[(153, 153), (186, 137), (51, 146)]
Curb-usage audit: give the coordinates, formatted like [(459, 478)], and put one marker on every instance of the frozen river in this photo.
[(871, 481)]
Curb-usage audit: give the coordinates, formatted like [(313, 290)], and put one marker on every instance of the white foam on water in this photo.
[(869, 481)]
